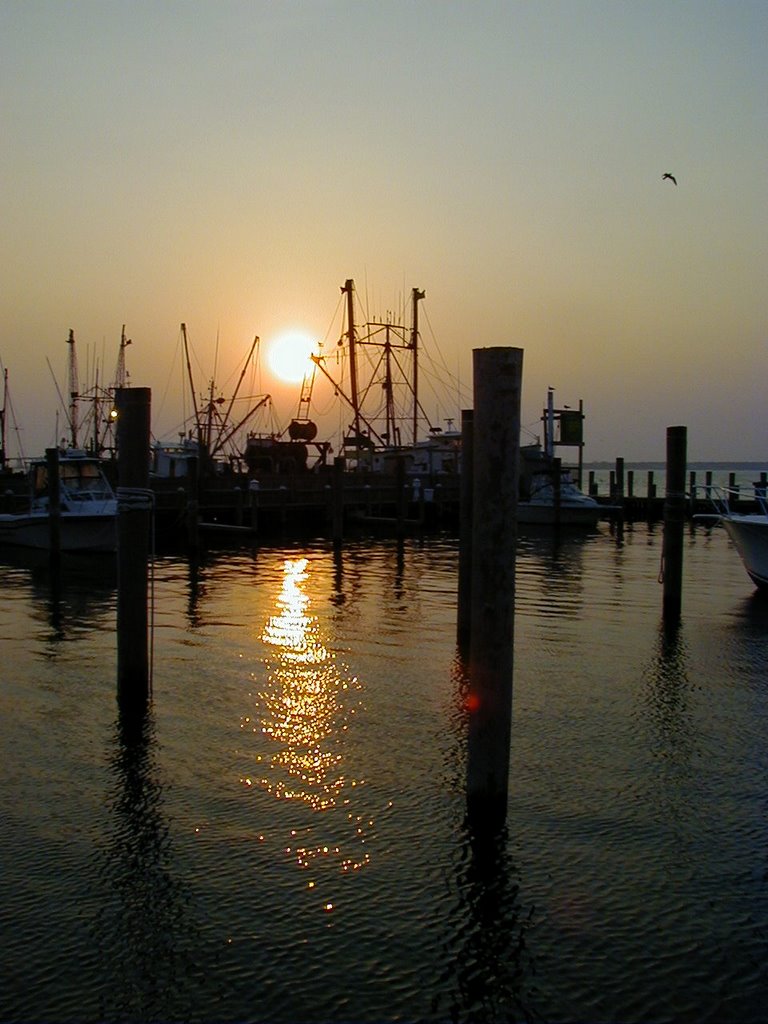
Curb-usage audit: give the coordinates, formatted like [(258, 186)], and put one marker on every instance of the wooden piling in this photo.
[(54, 502), (674, 519), (253, 495), (496, 444), (733, 491), (134, 532), (619, 495), (338, 500), (401, 495), (193, 503), (557, 490), (464, 596)]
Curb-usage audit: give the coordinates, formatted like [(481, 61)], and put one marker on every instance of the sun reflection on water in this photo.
[(302, 716)]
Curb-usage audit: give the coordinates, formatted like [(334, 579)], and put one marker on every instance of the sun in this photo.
[(288, 356)]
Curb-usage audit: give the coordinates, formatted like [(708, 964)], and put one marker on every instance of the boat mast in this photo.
[(96, 413), (121, 375), (192, 385), (349, 288), (2, 420), (417, 297), (73, 388), (393, 434)]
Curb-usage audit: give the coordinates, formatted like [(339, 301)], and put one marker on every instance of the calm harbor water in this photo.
[(285, 839)]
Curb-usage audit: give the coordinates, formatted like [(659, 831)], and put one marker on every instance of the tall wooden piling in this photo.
[(337, 511), (401, 496), (193, 503), (674, 520), (464, 596), (133, 535), (619, 495), (54, 502), (496, 445)]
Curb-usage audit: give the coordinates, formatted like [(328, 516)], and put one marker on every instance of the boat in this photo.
[(748, 531), (87, 519), (549, 496)]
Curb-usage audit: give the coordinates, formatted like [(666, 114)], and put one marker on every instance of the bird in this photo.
[(671, 177)]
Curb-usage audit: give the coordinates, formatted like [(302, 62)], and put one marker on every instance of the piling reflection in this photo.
[(671, 731), (488, 962), (488, 966), (73, 594), (143, 929)]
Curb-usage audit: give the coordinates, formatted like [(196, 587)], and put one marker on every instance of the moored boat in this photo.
[(549, 496), (748, 531), (87, 508)]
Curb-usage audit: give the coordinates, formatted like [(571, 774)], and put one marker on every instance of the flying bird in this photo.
[(671, 177)]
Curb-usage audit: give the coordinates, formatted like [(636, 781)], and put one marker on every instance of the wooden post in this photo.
[(619, 479), (193, 502), (557, 489), (54, 502), (253, 494), (592, 486), (674, 518), (630, 483), (134, 527), (401, 497), (338, 499), (496, 446), (464, 597)]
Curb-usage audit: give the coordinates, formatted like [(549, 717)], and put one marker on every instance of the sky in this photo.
[(230, 164)]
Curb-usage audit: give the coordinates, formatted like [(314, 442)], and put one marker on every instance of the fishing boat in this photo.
[(549, 496), (748, 531), (83, 519)]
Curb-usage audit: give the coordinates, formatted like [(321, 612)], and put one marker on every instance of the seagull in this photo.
[(671, 177)]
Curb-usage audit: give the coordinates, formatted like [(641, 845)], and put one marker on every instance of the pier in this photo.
[(301, 502)]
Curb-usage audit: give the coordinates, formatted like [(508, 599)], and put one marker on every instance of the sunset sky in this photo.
[(229, 164)]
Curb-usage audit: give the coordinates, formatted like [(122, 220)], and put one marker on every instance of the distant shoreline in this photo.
[(719, 465)]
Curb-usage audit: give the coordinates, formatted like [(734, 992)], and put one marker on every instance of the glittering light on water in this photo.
[(306, 703)]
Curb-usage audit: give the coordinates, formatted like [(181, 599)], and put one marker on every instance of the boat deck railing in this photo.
[(722, 498)]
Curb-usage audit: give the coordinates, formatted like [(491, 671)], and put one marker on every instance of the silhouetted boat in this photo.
[(87, 514)]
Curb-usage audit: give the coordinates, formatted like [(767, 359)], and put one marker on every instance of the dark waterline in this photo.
[(283, 837)]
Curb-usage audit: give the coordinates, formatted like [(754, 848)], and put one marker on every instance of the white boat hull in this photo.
[(95, 532), (750, 537)]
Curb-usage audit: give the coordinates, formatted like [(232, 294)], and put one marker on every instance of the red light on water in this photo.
[(472, 702)]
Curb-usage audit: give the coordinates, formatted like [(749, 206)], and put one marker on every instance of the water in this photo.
[(285, 840)]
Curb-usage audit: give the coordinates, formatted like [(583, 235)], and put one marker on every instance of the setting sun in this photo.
[(288, 356)]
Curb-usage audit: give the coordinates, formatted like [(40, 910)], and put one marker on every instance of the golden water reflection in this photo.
[(302, 715)]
